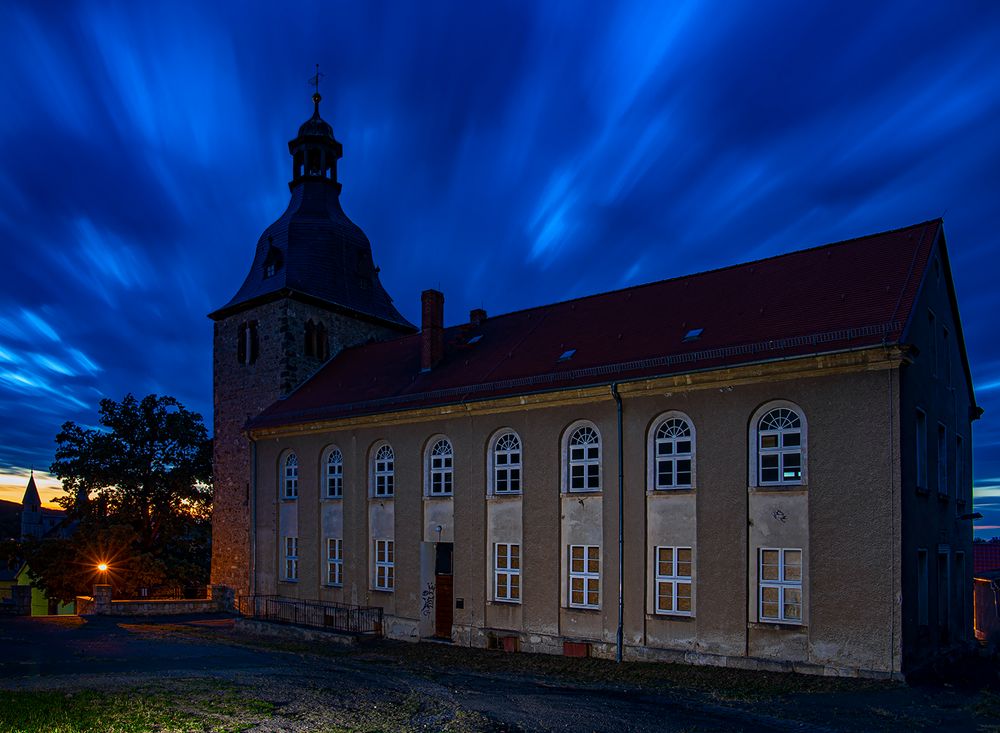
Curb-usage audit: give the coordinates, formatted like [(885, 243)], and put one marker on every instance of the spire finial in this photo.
[(314, 80)]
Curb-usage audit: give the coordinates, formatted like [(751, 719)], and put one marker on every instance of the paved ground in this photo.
[(275, 685)]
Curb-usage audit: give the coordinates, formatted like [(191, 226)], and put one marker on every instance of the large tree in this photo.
[(139, 488)]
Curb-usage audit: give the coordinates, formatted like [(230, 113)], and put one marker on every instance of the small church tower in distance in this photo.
[(31, 511), (312, 290)]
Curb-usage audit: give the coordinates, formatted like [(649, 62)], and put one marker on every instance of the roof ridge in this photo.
[(710, 271)]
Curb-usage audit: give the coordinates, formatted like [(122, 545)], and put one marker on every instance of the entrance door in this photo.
[(444, 594)]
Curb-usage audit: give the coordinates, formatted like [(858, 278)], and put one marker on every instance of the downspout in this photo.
[(253, 517), (621, 526)]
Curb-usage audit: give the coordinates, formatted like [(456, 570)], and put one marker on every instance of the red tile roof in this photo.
[(849, 295), (986, 557)]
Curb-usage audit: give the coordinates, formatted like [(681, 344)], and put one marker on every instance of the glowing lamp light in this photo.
[(103, 567)]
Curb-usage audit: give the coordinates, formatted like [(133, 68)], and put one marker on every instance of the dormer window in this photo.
[(273, 261)]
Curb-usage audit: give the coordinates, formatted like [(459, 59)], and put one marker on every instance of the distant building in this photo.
[(986, 557), (791, 437), (37, 522)]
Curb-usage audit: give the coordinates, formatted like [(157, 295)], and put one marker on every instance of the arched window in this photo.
[(440, 468), (779, 444), (506, 458), (672, 453), (334, 474), (383, 471), (584, 459), (290, 477), (246, 343)]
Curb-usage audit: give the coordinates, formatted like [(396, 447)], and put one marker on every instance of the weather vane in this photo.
[(314, 80)]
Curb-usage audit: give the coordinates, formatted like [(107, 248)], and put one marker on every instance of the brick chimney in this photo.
[(477, 316), (431, 329)]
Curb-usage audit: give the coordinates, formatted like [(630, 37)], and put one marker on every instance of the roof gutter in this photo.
[(621, 527)]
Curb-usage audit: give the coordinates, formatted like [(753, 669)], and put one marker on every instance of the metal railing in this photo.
[(320, 614)]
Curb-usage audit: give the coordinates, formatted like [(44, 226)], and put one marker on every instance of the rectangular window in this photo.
[(384, 565), (960, 591), (921, 449), (507, 572), (961, 481), (291, 558), (334, 478), (584, 576), (673, 580), (780, 584), (942, 461), (922, 587), (334, 561), (943, 587), (946, 355), (932, 329)]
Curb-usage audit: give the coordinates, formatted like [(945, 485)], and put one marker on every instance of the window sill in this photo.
[(584, 609), (582, 492), (388, 591), (333, 585), (293, 581), (680, 490), (438, 497), (662, 616), (779, 488), (289, 499), (382, 498), (777, 626), (504, 602), (504, 495), (332, 498)]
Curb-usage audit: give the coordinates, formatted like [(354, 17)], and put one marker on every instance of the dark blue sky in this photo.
[(510, 156)]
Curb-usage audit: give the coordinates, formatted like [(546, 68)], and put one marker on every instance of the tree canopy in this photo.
[(138, 487)]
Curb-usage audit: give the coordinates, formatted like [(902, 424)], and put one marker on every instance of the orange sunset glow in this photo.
[(13, 481)]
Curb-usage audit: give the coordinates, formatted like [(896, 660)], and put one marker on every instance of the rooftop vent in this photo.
[(566, 355), (693, 335)]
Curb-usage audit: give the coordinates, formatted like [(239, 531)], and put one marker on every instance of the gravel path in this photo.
[(393, 686)]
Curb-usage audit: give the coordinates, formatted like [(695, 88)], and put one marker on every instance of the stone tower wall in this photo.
[(242, 391)]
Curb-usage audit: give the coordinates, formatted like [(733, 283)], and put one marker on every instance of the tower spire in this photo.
[(314, 80)]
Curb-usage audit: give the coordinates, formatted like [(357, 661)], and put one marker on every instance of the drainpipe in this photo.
[(621, 525), (253, 517)]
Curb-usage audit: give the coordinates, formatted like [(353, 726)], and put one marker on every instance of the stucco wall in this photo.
[(934, 381), (844, 519)]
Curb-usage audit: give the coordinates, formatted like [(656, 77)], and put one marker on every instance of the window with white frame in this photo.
[(584, 460), (507, 464), (507, 572), (384, 565), (673, 449), (921, 449), (780, 581), (673, 580), (440, 468), (291, 477), (334, 561), (383, 470), (942, 460), (334, 474), (779, 447), (584, 576), (291, 558)]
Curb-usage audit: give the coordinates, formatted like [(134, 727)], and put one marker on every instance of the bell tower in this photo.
[(312, 290)]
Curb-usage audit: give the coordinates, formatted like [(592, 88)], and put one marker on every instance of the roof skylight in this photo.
[(693, 335), (566, 355), (475, 339)]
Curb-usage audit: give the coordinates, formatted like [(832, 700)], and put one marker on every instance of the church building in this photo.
[(765, 466)]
